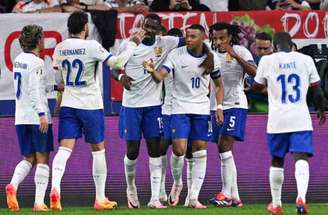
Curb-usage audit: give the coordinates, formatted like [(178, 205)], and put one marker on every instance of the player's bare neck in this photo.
[(196, 52)]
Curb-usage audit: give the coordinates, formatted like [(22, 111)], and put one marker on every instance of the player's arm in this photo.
[(35, 97), (124, 79), (249, 67), (260, 81), (118, 62), (319, 102), (158, 75), (208, 63), (219, 95)]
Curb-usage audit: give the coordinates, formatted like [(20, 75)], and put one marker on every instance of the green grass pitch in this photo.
[(256, 209)]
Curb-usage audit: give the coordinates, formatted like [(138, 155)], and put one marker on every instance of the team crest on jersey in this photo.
[(158, 51), (173, 130), (125, 130), (229, 58)]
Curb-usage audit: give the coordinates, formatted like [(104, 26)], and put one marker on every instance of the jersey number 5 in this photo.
[(80, 68), (293, 79)]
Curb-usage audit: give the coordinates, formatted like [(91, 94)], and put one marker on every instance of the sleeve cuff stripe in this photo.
[(315, 84), (166, 68)]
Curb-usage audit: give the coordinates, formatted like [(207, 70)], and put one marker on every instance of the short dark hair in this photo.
[(283, 40), (176, 32), (30, 36), (197, 27), (154, 17), (263, 36), (76, 22)]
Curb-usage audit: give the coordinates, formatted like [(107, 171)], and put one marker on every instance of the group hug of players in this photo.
[(184, 69)]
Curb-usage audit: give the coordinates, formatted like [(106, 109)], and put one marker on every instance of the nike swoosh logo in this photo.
[(184, 67), (133, 205), (230, 129)]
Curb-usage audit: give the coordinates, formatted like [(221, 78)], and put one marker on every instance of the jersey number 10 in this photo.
[(293, 79)]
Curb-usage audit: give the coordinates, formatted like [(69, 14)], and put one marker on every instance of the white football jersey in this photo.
[(168, 86), (30, 89), (233, 77), (190, 86), (145, 91), (77, 59), (288, 77)]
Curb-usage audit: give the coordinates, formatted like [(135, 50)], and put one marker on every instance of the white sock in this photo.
[(21, 171), (164, 166), (99, 173), (177, 163), (226, 172), (190, 165), (58, 166), (234, 185), (155, 168), (302, 175), (130, 173), (41, 180), (276, 181), (198, 173)]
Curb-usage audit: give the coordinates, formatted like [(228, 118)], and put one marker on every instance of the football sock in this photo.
[(234, 185), (41, 180), (99, 173), (21, 171), (130, 172), (155, 168), (58, 166), (176, 168), (227, 172), (163, 177), (190, 165), (198, 172), (276, 181), (302, 176)]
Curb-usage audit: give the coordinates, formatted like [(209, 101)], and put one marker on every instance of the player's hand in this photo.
[(185, 4), (219, 116), (137, 37), (61, 87), (322, 117), (208, 64), (230, 50), (126, 81), (149, 66), (43, 124)]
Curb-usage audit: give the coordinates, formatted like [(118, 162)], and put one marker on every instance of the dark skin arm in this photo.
[(125, 80), (248, 67), (319, 103)]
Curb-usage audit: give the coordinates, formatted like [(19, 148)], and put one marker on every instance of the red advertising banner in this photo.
[(302, 25)]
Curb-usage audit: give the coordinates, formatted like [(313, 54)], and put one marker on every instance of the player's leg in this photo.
[(301, 147), (180, 125), (23, 168), (43, 145), (130, 130), (199, 136), (166, 141), (70, 129), (152, 129), (190, 165), (93, 128), (278, 145)]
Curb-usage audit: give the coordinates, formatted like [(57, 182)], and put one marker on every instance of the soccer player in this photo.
[(236, 61), (288, 76), (190, 109), (32, 117), (82, 104), (141, 108)]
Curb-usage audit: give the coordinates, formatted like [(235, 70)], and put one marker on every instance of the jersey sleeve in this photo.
[(314, 77), (246, 55), (260, 78), (216, 73), (34, 83), (99, 53), (173, 42), (169, 63)]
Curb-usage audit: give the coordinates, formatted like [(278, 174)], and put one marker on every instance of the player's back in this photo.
[(288, 76), (77, 60), (30, 93)]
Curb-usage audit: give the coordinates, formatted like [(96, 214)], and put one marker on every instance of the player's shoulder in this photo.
[(240, 49), (302, 56), (178, 52)]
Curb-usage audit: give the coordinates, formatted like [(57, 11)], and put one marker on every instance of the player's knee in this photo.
[(31, 159), (179, 151), (165, 143), (42, 158), (226, 144), (189, 153), (300, 156), (97, 147), (132, 150), (277, 162), (154, 147)]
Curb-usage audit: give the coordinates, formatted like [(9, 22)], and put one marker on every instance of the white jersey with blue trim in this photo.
[(190, 86), (30, 89), (76, 59), (233, 77), (168, 86), (144, 90), (288, 77)]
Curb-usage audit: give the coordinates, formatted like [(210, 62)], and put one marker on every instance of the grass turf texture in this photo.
[(256, 209)]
